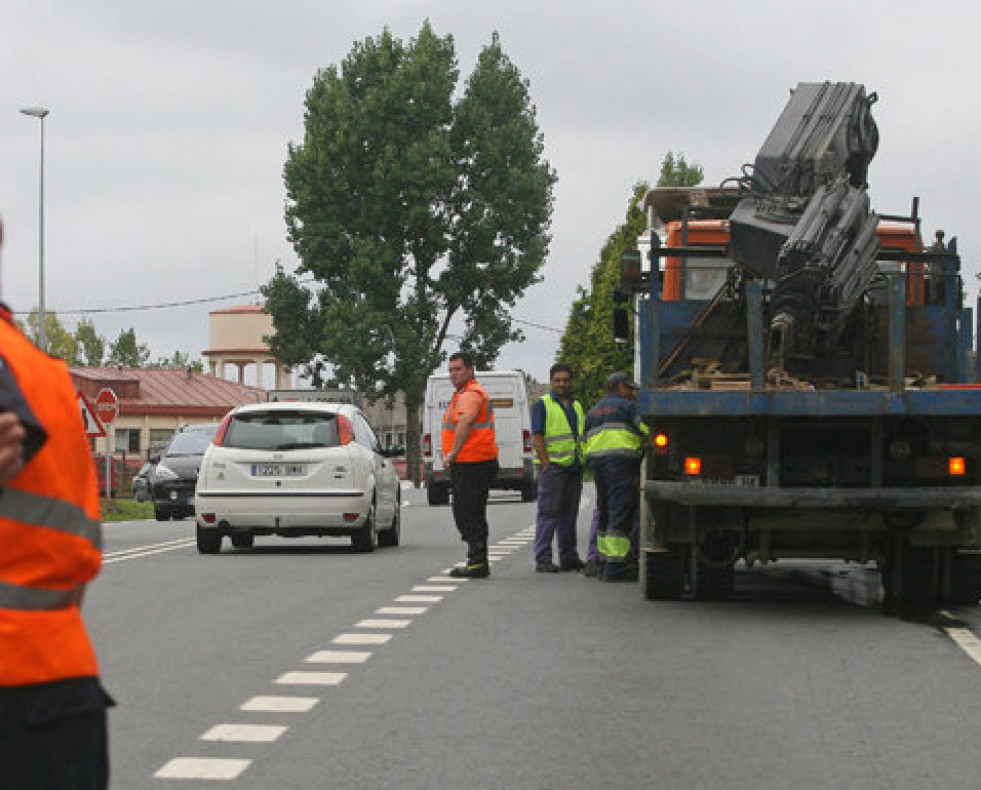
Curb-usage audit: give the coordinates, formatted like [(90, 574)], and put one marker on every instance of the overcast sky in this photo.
[(169, 123)]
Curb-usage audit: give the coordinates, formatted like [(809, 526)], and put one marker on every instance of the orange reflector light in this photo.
[(661, 440), (956, 466), (693, 466)]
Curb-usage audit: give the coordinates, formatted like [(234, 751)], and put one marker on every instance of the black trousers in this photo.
[(53, 736), (471, 487)]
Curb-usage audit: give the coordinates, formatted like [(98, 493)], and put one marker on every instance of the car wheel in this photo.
[(366, 538), (244, 540), (161, 512), (392, 535), (208, 540)]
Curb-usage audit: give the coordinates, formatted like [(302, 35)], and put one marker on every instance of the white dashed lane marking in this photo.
[(338, 657), (201, 768), (311, 678), (402, 610), (361, 639), (383, 624), (230, 769), (280, 704), (244, 733)]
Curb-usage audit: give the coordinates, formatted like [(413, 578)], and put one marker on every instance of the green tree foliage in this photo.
[(676, 172), (90, 345), (178, 360), (58, 340), (587, 343), (127, 352), (411, 211)]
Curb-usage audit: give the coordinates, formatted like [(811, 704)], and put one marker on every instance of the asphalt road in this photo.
[(523, 681)]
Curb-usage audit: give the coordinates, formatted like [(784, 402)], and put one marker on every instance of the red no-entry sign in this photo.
[(106, 406)]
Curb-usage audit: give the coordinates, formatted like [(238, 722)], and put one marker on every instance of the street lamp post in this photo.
[(40, 113)]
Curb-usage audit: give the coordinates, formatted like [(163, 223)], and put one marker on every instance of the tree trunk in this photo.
[(413, 429)]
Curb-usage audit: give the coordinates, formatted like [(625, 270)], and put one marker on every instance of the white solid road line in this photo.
[(967, 641), (146, 551), (279, 704), (201, 768), (245, 733)]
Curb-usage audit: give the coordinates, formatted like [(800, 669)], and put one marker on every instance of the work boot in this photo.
[(472, 570), (593, 569), (572, 564), (546, 567)]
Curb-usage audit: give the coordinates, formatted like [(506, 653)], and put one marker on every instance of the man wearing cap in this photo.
[(615, 437), (594, 565)]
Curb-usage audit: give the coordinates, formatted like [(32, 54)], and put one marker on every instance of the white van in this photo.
[(512, 428)]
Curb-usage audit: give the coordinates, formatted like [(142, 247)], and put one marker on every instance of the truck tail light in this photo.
[(427, 445), (956, 466), (661, 443), (526, 438), (693, 465)]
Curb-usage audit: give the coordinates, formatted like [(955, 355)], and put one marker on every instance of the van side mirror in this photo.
[(621, 324)]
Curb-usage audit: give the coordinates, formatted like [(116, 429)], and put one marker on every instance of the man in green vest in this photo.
[(557, 421), (615, 437)]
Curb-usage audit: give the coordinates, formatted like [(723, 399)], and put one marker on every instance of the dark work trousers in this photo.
[(618, 496), (592, 552), (559, 491), (53, 736), (470, 482)]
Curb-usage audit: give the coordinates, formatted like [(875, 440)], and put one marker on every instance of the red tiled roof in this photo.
[(166, 390)]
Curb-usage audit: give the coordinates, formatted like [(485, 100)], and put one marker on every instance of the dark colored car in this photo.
[(141, 483), (175, 474)]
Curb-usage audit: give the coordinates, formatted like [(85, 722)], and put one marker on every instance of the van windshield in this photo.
[(282, 430)]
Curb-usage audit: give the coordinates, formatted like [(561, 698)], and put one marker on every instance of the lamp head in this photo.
[(35, 112)]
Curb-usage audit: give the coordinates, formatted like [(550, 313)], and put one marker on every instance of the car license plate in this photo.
[(278, 470)]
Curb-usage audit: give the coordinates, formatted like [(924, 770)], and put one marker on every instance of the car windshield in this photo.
[(193, 442), (282, 430)]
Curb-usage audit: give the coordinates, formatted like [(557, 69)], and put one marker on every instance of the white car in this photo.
[(296, 469)]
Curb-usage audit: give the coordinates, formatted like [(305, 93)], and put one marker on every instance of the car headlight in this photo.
[(165, 473)]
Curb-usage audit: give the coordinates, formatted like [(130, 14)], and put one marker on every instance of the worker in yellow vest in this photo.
[(557, 425)]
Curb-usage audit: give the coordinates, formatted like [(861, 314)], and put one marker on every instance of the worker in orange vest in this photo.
[(52, 705), (470, 453)]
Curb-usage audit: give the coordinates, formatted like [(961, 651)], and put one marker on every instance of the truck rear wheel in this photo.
[(963, 578), (712, 572), (911, 577), (662, 574)]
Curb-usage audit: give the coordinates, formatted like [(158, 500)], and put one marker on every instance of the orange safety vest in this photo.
[(50, 530), (480, 444)]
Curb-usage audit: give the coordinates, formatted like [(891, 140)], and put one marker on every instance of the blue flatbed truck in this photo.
[(791, 420)]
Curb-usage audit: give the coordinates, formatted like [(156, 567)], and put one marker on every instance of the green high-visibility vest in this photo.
[(615, 438), (563, 448)]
